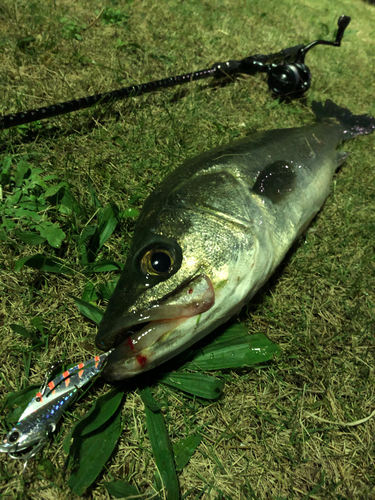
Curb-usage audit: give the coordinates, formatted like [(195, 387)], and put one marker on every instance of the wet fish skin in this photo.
[(229, 215)]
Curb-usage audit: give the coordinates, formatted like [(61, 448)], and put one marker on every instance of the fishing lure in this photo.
[(287, 76), (40, 417)]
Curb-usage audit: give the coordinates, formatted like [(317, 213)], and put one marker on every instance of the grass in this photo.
[(259, 439)]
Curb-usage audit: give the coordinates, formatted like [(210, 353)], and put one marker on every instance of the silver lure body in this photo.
[(47, 407)]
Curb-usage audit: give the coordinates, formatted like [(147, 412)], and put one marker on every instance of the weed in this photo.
[(71, 29), (111, 15), (26, 203)]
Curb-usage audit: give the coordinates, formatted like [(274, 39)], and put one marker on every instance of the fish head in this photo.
[(180, 281)]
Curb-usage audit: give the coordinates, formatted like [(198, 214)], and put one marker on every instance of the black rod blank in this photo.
[(249, 65)]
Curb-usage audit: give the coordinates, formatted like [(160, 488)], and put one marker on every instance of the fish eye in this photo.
[(14, 437), (160, 262), (157, 262)]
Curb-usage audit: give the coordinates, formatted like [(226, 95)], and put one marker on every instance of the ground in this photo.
[(281, 430)]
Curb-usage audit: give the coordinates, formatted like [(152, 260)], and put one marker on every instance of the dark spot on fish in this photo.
[(275, 181)]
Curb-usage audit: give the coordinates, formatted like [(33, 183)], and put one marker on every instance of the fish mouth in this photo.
[(141, 337), (159, 321)]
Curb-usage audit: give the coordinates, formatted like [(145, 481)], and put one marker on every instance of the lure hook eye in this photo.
[(289, 79), (50, 428)]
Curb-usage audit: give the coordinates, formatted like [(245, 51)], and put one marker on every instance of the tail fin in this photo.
[(353, 124)]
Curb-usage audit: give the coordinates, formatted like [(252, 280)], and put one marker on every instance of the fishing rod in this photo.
[(287, 77)]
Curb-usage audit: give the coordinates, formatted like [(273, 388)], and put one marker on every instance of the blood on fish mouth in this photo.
[(195, 298), (150, 333)]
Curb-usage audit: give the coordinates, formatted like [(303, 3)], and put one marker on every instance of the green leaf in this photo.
[(94, 198), (22, 168), (35, 179), (105, 266), (70, 202), (37, 321), (5, 170), (161, 448), (52, 233), (91, 451), (35, 173), (47, 468), (184, 449), (51, 191), (89, 293), (21, 213), (61, 195), (120, 489), (129, 212), (33, 205), (67, 443), (22, 397), (50, 177), (8, 224), (117, 139), (134, 198), (108, 222), (234, 350), (106, 289), (19, 399), (47, 264), (89, 310), (30, 238), (236, 333), (197, 384), (104, 407), (25, 333), (15, 415), (87, 232), (149, 401), (21, 331), (13, 200)]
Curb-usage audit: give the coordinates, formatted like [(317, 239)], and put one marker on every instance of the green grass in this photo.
[(259, 440)]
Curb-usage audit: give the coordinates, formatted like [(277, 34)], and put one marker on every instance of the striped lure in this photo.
[(43, 412)]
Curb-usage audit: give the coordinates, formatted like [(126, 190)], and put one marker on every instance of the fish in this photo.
[(214, 231), (39, 420)]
